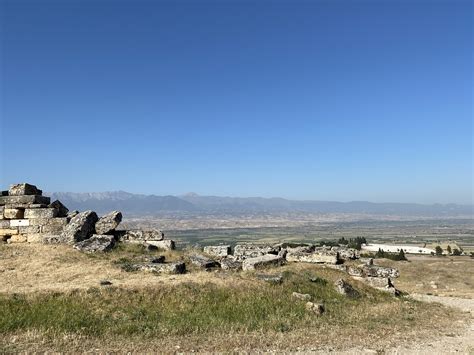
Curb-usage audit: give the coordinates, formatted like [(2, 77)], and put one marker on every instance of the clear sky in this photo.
[(329, 100)]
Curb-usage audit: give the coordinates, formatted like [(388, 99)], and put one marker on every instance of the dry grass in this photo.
[(453, 276), (50, 299)]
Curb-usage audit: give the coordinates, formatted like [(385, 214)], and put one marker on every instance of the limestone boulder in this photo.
[(72, 214), (317, 257), (271, 278), (263, 261), (230, 263), (159, 268), (301, 296), (346, 289), (217, 250), (62, 211), (381, 283), (139, 235), (13, 213), (108, 223), (96, 243), (202, 261), (165, 244), (80, 227), (24, 200), (32, 213), (379, 271), (315, 308), (244, 251), (23, 189)]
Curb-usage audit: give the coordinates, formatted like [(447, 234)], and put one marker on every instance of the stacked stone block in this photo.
[(28, 216)]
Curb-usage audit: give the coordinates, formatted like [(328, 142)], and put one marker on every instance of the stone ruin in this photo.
[(248, 257), (26, 216)]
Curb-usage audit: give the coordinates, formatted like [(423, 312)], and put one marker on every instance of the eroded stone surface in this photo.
[(108, 223), (202, 261), (244, 251), (81, 227), (23, 189), (262, 261), (218, 250), (167, 268), (96, 243), (62, 211), (346, 289)]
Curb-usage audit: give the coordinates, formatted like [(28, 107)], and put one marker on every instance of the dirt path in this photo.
[(462, 343)]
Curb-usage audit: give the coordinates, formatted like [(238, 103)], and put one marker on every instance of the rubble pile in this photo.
[(26, 216)]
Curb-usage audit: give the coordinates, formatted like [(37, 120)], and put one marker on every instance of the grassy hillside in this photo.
[(219, 311)]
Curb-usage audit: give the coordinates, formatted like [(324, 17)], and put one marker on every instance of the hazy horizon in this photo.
[(305, 100), (192, 193)]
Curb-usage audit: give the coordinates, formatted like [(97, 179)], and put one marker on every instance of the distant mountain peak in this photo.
[(190, 194)]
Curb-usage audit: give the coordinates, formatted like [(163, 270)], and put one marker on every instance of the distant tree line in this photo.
[(397, 257), (355, 243), (455, 251)]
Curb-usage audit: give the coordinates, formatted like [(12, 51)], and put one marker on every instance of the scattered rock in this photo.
[(166, 244), (202, 261), (169, 268), (318, 280), (315, 308), (158, 260), (301, 296), (105, 283), (96, 243), (379, 271), (346, 289), (230, 263), (262, 261), (107, 223), (380, 283), (273, 279), (81, 227)]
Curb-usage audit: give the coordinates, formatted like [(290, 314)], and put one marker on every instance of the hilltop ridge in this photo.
[(192, 202)]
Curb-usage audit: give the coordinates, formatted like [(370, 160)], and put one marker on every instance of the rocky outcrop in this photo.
[(81, 227), (262, 262), (108, 223), (96, 243)]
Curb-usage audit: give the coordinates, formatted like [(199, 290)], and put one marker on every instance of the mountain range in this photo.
[(137, 204)]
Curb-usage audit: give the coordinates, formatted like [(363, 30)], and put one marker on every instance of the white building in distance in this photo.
[(408, 249)]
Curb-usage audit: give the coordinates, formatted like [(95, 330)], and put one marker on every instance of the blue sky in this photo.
[(328, 100)]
